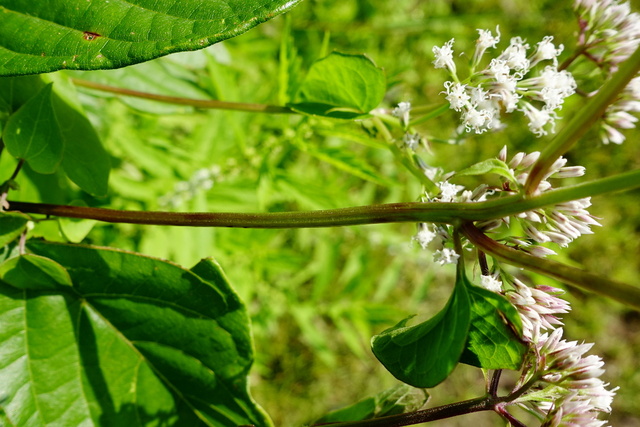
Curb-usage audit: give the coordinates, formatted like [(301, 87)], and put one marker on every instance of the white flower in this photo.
[(444, 57), (546, 50), (445, 256), (485, 40), (490, 283), (402, 111), (499, 70), (448, 191), (515, 55), (478, 120), (411, 140), (539, 118), (424, 236), (456, 95)]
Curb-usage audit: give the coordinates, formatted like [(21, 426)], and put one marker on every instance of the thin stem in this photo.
[(621, 292), (582, 121), (198, 103), (426, 415), (16, 171), (431, 115), (485, 403), (402, 158), (8, 184), (482, 261), (457, 243), (514, 422), (494, 383), (436, 212), (567, 62)]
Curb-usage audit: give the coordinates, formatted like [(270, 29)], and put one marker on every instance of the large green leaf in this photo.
[(494, 335), (341, 86), (135, 341), (43, 36), (425, 354)]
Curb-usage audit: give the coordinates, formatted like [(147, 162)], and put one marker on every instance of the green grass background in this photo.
[(317, 296)]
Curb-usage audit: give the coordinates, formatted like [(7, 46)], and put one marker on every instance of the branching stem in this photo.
[(576, 277)]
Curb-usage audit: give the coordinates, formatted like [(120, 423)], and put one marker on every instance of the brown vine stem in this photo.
[(441, 412), (582, 279), (197, 103), (436, 212)]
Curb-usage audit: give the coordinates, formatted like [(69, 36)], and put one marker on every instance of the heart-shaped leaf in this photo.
[(341, 86), (134, 341)]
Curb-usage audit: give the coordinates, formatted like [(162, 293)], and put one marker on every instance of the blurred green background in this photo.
[(316, 296)]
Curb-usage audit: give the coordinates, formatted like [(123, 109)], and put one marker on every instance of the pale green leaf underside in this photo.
[(44, 36), (135, 341)]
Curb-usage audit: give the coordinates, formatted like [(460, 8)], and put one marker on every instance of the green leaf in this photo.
[(425, 354), (494, 166), (39, 37), (85, 161), (494, 335), (397, 400), (138, 341), (341, 86), (32, 133), (15, 91), (34, 272), (12, 224)]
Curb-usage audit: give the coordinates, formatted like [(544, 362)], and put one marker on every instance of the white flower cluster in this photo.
[(573, 379), (618, 114), (433, 235), (561, 223), (567, 390), (609, 31), (438, 236), (183, 191), (538, 307), (502, 86)]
